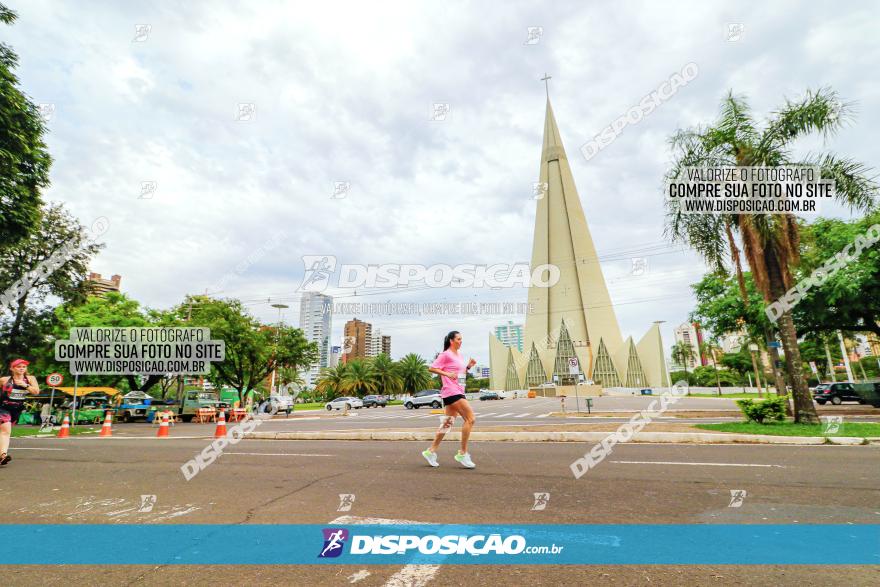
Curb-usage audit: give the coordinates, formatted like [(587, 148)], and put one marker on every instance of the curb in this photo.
[(507, 436)]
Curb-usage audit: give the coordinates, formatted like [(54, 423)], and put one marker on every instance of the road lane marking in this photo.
[(277, 454), (543, 415), (503, 415), (695, 464), (408, 576), (523, 415)]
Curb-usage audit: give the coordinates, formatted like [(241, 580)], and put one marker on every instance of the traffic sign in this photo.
[(54, 379), (573, 368), (774, 344)]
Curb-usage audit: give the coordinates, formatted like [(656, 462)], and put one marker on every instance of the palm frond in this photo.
[(820, 111), (854, 184)]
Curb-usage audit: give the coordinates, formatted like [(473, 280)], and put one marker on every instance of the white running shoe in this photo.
[(465, 460), (431, 457)]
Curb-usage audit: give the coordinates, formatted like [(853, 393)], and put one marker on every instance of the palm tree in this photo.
[(769, 241), (387, 376), (709, 347), (682, 352), (414, 373), (332, 381), (359, 379)]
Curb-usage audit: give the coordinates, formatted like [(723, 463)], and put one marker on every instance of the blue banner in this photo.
[(625, 544)]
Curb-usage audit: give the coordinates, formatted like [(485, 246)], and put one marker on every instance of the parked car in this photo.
[(836, 393), (340, 402), (374, 401), (869, 392), (427, 397), (486, 395), (280, 402)]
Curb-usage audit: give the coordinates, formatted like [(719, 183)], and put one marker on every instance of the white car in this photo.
[(340, 402)]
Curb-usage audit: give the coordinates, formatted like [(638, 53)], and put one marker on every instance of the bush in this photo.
[(772, 408)]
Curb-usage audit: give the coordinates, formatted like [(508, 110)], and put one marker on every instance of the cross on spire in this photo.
[(546, 79)]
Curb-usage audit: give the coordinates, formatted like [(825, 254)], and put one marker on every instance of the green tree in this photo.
[(331, 381), (24, 158), (387, 375), (53, 260), (414, 373), (682, 352), (850, 299), (251, 349), (769, 241), (720, 308), (360, 378), (709, 347), (115, 310)]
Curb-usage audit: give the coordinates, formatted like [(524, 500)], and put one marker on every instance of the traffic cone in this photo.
[(65, 428), (220, 431), (163, 427), (107, 428)]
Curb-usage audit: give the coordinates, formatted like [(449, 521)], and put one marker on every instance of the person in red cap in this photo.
[(14, 389)]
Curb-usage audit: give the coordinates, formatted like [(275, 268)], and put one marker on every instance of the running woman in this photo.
[(14, 389), (452, 369)]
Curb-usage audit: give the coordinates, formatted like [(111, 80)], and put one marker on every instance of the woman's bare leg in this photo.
[(5, 433), (445, 427), (467, 414)]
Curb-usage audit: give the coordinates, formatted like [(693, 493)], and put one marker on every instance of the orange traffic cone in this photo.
[(107, 428), (220, 431), (163, 427), (65, 428)]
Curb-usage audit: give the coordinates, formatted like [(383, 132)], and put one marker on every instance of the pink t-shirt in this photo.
[(454, 362)]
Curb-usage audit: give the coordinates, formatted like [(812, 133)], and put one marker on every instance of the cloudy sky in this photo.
[(344, 92)]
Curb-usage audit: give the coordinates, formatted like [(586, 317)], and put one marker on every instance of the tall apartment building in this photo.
[(374, 345), (510, 335), (690, 333), (99, 286), (315, 320), (386, 345), (357, 341)]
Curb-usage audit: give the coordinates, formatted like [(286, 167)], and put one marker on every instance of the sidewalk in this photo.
[(653, 433)]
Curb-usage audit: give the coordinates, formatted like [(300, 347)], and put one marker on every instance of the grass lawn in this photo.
[(35, 430), (858, 429), (320, 405)]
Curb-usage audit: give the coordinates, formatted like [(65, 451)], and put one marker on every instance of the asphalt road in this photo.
[(91, 480), (511, 412)]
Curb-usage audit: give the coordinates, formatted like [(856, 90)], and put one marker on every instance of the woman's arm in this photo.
[(449, 374), (33, 386)]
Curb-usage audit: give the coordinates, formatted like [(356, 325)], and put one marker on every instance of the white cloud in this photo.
[(343, 92)]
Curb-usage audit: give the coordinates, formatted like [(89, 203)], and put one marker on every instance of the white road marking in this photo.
[(503, 415), (522, 415), (408, 576), (362, 574), (276, 454), (543, 415), (696, 464)]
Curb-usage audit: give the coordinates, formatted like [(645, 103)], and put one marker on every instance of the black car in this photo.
[(486, 395), (836, 393), (374, 401)]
